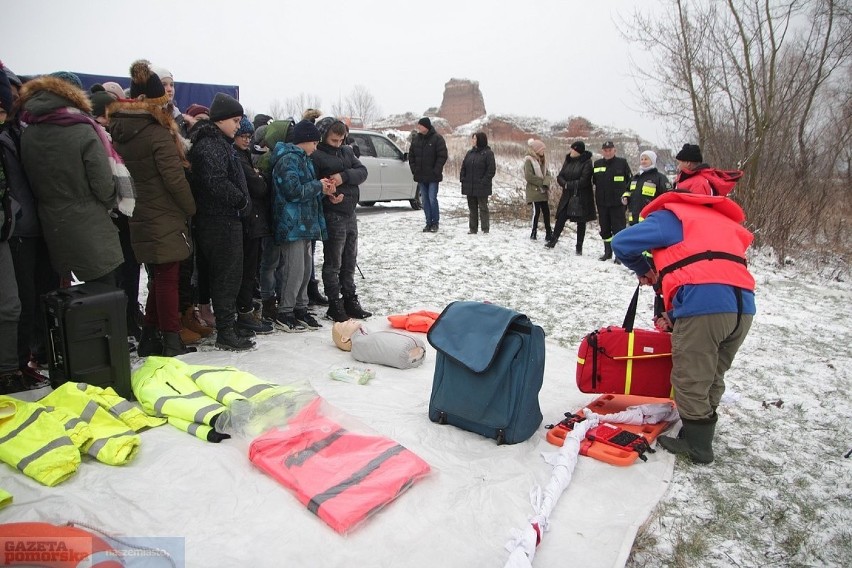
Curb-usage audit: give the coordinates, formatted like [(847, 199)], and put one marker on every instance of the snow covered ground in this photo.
[(779, 491)]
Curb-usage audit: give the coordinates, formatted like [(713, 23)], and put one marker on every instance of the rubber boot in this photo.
[(696, 440), (314, 296), (336, 312), (607, 252), (353, 308), (149, 342), (173, 346)]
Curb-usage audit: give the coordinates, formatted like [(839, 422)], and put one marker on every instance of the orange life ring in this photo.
[(47, 545)]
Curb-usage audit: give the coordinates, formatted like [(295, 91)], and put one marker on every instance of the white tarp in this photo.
[(231, 514)]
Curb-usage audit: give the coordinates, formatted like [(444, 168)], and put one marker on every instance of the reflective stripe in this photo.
[(628, 376), (193, 429), (158, 405), (373, 465), (99, 444), (58, 443), (225, 391), (251, 392), (581, 360), (600, 169), (194, 376), (618, 178), (30, 419), (302, 456), (632, 185), (649, 189), (202, 412), (122, 407), (89, 411)]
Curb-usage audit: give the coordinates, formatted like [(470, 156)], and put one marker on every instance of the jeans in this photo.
[(429, 197), (340, 255), (220, 240)]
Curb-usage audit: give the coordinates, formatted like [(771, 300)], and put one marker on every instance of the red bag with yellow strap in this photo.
[(624, 360)]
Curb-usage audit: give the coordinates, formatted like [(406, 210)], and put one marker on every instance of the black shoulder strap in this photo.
[(630, 316), (706, 255)]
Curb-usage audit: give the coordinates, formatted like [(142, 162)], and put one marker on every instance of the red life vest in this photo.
[(340, 476), (713, 247)]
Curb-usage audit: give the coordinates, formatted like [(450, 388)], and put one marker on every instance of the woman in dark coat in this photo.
[(147, 137), (477, 171), (575, 179)]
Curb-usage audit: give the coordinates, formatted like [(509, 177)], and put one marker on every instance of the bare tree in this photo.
[(277, 109), (295, 106), (751, 81), (361, 103)]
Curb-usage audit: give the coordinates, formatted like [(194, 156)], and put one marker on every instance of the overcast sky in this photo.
[(547, 58)]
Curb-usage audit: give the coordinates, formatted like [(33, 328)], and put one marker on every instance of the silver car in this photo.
[(389, 177)]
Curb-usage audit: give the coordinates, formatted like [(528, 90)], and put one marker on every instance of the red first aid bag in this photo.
[(624, 360)]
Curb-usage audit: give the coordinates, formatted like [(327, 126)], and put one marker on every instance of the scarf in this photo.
[(69, 116), (536, 164)]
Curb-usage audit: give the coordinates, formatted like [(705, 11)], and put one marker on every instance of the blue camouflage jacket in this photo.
[(297, 200)]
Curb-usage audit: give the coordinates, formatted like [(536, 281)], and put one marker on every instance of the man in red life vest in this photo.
[(698, 244)]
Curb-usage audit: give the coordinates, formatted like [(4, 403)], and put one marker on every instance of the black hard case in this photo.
[(87, 336)]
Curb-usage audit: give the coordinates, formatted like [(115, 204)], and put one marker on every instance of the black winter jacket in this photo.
[(477, 171), (644, 187), (611, 178), (328, 161), (427, 156), (258, 222), (218, 182), (575, 177)]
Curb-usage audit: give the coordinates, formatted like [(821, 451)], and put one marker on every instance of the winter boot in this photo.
[(188, 336), (315, 298), (534, 234), (336, 312), (173, 346), (191, 320), (695, 440), (353, 308), (247, 320), (150, 342), (227, 338), (548, 236), (551, 242), (607, 252), (270, 309)]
